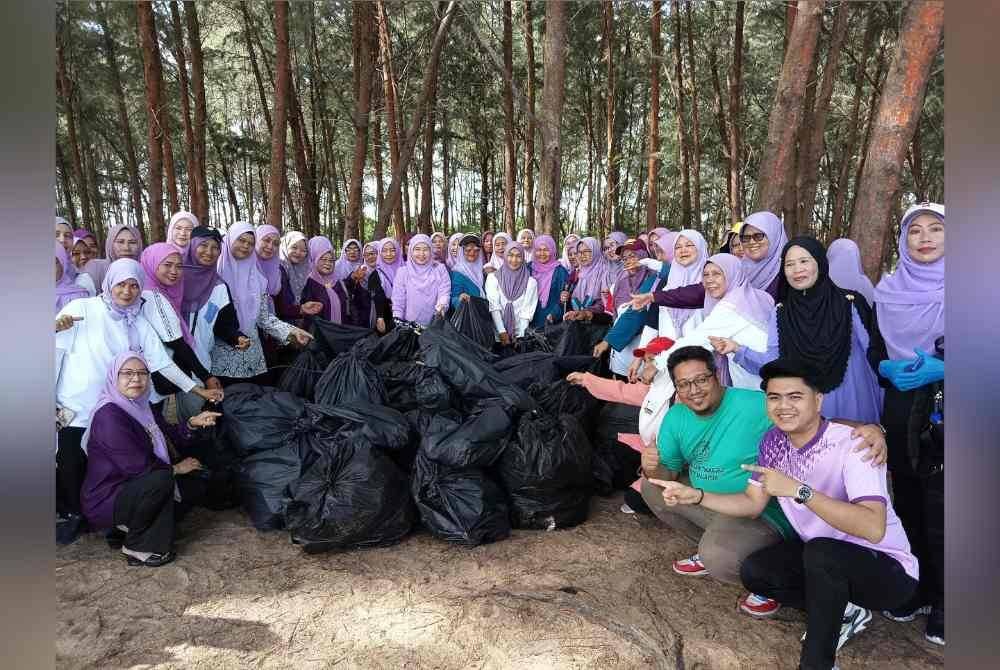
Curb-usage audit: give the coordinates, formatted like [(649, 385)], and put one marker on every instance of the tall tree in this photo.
[(65, 86), (200, 110), (553, 97), (529, 132), (683, 149), (787, 110), (131, 161), (695, 123), (391, 116), (898, 111), (152, 75), (510, 158), (427, 171), (736, 204), (181, 59), (282, 81), (610, 102), (655, 62)]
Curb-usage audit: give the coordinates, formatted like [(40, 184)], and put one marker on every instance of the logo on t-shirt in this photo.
[(700, 454)]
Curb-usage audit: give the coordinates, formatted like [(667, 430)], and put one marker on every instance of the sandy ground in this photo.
[(601, 595)]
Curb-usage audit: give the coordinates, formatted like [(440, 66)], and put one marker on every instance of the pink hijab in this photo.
[(318, 247), (151, 258)]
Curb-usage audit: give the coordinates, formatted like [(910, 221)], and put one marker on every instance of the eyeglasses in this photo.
[(702, 381), (133, 374), (755, 237)]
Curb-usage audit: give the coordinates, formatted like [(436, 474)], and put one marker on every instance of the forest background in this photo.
[(367, 118)]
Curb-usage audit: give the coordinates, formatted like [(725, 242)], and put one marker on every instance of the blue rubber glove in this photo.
[(892, 369), (923, 370)]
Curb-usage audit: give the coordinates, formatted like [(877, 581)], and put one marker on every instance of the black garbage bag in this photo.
[(473, 320), (258, 418), (262, 480), (301, 376), (352, 495), (412, 385), (472, 377), (561, 397), (461, 505), (336, 338), (350, 379), (475, 442), (575, 338), (444, 328), (523, 370), (399, 345), (532, 341), (615, 464), (546, 470), (380, 426)]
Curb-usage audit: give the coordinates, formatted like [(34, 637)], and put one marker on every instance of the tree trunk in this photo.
[(152, 77), (736, 205), (276, 183), (247, 35), (695, 125), (227, 177), (899, 109), (510, 158), (67, 189), (430, 72), (446, 172), (655, 62), (69, 103), (484, 182), (200, 110), (389, 94), (720, 111), (553, 97), (305, 165), (131, 162), (529, 133), (812, 149), (787, 110), (427, 173), (682, 142), (610, 100), (376, 133), (181, 60)]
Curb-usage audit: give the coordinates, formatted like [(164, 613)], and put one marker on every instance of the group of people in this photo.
[(771, 381)]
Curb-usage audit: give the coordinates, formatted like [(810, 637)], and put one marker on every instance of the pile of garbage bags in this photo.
[(366, 436)]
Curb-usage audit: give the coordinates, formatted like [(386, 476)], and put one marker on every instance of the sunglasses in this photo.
[(755, 237)]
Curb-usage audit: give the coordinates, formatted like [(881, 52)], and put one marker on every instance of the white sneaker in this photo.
[(855, 620), (626, 509)]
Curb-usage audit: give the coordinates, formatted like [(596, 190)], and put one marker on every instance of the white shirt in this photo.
[(524, 307), (85, 352), (202, 324), (86, 282)]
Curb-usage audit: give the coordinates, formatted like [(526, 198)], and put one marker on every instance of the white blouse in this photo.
[(524, 307), (85, 351), (202, 324)]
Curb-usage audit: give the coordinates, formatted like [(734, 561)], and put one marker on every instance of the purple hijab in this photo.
[(439, 257), (98, 267), (318, 247), (474, 271), (151, 258), (666, 243), (512, 284), (72, 268), (761, 273), (271, 268), (199, 280), (422, 280), (626, 284), (246, 284), (910, 302), (66, 290), (685, 276), (387, 271), (570, 239), (343, 267), (543, 272), (180, 216), (139, 409), (450, 260), (119, 271), (298, 273), (753, 304), (593, 278), (846, 272)]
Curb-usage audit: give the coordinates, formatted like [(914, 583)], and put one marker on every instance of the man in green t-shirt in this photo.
[(711, 431)]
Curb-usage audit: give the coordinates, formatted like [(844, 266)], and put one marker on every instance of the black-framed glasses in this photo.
[(754, 237), (133, 374), (701, 381)]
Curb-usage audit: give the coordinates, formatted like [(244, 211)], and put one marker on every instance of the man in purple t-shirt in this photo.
[(851, 545)]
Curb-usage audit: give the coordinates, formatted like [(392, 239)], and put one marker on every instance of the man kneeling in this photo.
[(851, 545)]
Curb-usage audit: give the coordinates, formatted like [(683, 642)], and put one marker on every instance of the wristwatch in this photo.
[(803, 494)]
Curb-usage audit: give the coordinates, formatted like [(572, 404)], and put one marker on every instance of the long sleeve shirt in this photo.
[(692, 296), (524, 306), (419, 311), (553, 307), (461, 284), (615, 391)]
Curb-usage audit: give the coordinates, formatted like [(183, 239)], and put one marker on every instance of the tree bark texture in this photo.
[(529, 132), (553, 96), (655, 62), (610, 103), (152, 78), (682, 141), (200, 120), (282, 80), (182, 76), (389, 96), (695, 124), (510, 158), (363, 42)]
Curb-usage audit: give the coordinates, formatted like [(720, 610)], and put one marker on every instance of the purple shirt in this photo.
[(692, 296), (828, 464)]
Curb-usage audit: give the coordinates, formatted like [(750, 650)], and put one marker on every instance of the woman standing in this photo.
[(349, 261), (828, 327), (322, 280), (123, 242), (526, 238), (487, 238), (551, 278), (688, 255), (568, 259), (591, 282), (846, 271), (80, 253), (500, 243), (513, 296), (182, 224), (293, 268), (467, 273), (439, 246), (388, 262), (910, 308), (237, 266), (422, 287), (67, 290), (454, 249)]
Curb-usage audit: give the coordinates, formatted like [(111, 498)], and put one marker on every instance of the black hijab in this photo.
[(814, 325)]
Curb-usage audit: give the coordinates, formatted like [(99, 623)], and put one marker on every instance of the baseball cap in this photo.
[(657, 345)]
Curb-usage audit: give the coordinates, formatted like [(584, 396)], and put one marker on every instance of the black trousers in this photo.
[(821, 577), (145, 505), (918, 501), (71, 469)]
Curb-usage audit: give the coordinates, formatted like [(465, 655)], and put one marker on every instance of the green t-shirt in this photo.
[(713, 447)]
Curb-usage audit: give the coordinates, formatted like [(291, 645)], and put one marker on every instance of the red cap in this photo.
[(655, 346)]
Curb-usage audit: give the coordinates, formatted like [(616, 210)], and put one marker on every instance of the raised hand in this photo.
[(65, 322)]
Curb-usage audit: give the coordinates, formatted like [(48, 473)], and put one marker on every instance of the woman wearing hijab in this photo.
[(655, 234), (513, 296), (688, 253), (500, 243), (80, 253), (662, 251), (591, 283), (422, 287), (64, 234), (828, 327), (123, 241), (624, 335), (90, 239), (611, 246), (552, 278), (90, 332), (133, 484), (454, 249), (846, 271), (65, 238), (910, 308), (380, 282), (67, 289), (182, 224), (320, 285), (439, 246), (349, 261), (467, 272), (763, 237), (568, 258), (487, 239), (526, 238), (293, 269), (237, 266)]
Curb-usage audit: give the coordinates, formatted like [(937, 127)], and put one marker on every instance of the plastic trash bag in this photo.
[(473, 320), (414, 385), (461, 505), (336, 338), (615, 464), (350, 379), (262, 481), (380, 426), (561, 397), (477, 441), (574, 338), (523, 370), (399, 345), (258, 418), (546, 470), (301, 376)]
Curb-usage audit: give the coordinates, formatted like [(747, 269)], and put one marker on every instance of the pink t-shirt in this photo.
[(828, 464)]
